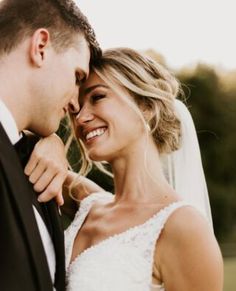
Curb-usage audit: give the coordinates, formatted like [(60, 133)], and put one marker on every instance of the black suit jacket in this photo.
[(23, 264)]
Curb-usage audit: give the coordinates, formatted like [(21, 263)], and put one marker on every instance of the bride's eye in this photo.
[(97, 97)]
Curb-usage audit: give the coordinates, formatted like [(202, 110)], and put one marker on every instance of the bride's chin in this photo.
[(100, 154), (99, 158), (95, 157)]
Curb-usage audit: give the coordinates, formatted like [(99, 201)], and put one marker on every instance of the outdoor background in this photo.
[(196, 40)]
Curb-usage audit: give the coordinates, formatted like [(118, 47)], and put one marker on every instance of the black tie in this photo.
[(24, 148), (48, 211)]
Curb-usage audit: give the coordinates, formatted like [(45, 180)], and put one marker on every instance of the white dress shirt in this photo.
[(9, 125)]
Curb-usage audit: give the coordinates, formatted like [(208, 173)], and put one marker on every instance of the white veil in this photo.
[(183, 168)]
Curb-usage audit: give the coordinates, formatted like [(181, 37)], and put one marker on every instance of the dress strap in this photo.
[(155, 226), (86, 204), (80, 216), (160, 219)]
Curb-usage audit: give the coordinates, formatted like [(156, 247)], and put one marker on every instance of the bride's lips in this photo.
[(93, 133)]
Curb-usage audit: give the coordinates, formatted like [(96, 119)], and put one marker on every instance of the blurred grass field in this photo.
[(230, 274)]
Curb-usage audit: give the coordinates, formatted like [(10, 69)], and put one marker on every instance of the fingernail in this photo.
[(40, 199)]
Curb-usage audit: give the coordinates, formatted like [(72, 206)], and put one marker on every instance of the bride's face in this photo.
[(108, 126)]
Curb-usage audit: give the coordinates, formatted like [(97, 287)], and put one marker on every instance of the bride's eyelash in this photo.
[(97, 97)]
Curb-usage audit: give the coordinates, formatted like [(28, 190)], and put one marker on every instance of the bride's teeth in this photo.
[(96, 132)]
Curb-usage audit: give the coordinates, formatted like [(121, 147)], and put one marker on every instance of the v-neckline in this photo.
[(111, 237)]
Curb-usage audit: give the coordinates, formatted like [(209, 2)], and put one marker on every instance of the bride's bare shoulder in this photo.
[(186, 219), (188, 250)]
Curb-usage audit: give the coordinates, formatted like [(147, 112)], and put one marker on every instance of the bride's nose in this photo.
[(84, 116)]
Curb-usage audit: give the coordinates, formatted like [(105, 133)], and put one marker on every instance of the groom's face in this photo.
[(57, 87)]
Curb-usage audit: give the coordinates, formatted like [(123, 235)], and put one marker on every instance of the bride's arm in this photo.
[(79, 186), (47, 170)]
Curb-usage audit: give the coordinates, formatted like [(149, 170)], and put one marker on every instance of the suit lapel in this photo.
[(21, 194), (50, 216), (58, 241)]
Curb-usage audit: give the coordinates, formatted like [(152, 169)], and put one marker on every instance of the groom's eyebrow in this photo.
[(90, 89)]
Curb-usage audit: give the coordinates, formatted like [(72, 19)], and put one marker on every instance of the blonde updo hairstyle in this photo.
[(154, 90)]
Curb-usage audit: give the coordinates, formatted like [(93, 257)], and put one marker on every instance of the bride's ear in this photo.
[(147, 113), (39, 44)]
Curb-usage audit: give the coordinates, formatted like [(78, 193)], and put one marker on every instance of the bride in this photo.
[(148, 236), (145, 236)]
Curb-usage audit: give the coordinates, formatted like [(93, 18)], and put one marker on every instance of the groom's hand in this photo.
[(47, 168)]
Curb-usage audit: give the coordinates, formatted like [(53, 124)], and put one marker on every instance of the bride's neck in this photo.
[(138, 175)]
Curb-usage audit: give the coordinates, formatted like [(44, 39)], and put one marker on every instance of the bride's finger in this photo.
[(44, 179), (37, 173), (32, 163), (60, 199), (54, 189)]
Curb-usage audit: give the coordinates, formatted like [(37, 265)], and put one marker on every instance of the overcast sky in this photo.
[(183, 31)]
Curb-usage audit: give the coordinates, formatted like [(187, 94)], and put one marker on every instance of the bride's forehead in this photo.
[(92, 79)]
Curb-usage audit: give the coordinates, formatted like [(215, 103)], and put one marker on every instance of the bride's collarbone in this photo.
[(117, 218), (103, 222)]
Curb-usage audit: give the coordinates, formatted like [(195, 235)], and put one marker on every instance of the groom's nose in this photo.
[(74, 103)]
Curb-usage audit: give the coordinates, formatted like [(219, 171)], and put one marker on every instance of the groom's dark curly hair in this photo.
[(63, 19)]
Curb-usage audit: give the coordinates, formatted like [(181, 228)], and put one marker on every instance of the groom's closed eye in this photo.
[(80, 78)]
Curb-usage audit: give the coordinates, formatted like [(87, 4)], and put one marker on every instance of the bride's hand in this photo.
[(47, 168), (81, 186)]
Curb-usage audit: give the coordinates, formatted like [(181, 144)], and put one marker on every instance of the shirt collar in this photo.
[(8, 123)]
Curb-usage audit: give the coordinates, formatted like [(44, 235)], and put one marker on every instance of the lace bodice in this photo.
[(122, 262)]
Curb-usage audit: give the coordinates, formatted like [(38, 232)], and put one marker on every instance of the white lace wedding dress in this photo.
[(122, 262)]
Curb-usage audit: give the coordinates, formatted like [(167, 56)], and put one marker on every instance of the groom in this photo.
[(45, 50)]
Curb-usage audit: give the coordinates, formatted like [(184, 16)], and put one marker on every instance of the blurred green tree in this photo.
[(213, 108)]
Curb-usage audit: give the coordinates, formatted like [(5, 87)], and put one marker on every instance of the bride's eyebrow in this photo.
[(90, 89)]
